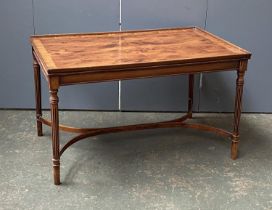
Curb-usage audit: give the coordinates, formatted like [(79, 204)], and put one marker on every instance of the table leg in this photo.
[(37, 80), (55, 135), (191, 95), (238, 107)]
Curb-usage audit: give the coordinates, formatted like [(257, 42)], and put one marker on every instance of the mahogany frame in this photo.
[(55, 81)]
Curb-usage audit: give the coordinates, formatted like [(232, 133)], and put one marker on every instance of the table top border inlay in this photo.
[(50, 68)]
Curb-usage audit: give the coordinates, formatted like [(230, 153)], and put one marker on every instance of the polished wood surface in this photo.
[(38, 99), (83, 58), (109, 51), (191, 94), (238, 108), (55, 134)]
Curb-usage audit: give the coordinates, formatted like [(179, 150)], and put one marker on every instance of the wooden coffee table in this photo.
[(69, 59)]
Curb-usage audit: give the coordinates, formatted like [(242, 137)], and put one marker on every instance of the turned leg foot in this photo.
[(234, 148), (56, 171), (39, 127)]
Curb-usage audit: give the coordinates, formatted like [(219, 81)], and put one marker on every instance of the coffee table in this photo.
[(70, 59)]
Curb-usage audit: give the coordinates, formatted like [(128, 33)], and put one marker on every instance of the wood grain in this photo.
[(108, 51), (55, 135), (238, 108), (38, 98), (67, 59), (191, 95)]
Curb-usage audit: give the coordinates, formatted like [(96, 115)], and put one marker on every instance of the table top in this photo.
[(62, 53)]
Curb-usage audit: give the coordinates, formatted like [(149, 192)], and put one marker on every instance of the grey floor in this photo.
[(156, 169)]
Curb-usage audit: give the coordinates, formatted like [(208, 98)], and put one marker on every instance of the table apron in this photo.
[(155, 71)]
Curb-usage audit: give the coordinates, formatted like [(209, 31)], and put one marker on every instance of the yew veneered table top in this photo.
[(113, 50)]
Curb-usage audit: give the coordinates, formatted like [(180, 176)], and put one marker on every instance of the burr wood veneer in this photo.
[(67, 59)]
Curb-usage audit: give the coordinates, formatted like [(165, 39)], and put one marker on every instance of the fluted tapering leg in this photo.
[(55, 135), (238, 108), (191, 95), (37, 80)]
